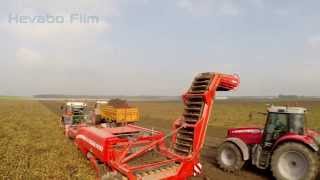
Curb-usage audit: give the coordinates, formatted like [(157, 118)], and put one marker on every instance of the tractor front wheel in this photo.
[(295, 162), (229, 157)]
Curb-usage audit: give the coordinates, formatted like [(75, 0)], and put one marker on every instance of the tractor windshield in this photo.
[(296, 123), (78, 110), (79, 114), (277, 122), (285, 122)]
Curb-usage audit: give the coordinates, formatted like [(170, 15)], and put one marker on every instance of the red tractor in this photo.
[(284, 145), (133, 152), (73, 114)]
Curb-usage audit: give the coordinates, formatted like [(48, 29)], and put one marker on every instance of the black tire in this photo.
[(288, 159), (229, 151)]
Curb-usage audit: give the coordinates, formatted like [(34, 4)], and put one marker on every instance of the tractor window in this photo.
[(296, 123), (78, 110), (277, 125), (277, 122)]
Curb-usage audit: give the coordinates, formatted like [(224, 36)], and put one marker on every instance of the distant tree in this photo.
[(281, 96)]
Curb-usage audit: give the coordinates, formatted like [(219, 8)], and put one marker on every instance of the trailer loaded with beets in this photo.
[(115, 112), (133, 152)]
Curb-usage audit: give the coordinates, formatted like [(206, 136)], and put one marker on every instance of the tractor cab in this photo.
[(284, 145), (282, 120), (74, 113)]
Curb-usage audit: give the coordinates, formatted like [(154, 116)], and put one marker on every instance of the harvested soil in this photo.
[(118, 103)]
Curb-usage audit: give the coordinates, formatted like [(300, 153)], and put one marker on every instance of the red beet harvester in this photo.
[(133, 152)]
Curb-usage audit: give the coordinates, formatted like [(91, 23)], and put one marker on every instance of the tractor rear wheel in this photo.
[(295, 162), (229, 157)]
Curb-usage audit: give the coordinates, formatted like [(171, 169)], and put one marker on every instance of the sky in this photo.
[(156, 47)]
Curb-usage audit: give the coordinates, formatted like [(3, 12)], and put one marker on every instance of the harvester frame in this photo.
[(181, 160)]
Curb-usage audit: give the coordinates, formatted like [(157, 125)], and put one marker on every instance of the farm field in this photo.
[(32, 145)]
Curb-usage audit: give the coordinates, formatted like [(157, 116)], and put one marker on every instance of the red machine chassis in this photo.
[(116, 148)]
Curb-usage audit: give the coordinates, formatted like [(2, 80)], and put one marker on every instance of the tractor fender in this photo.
[(305, 140), (241, 145)]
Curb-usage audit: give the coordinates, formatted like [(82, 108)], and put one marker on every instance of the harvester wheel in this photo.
[(295, 162), (229, 157)]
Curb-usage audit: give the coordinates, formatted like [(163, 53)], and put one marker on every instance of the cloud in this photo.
[(312, 50), (39, 53), (228, 8), (47, 29), (49, 46), (313, 41), (55, 43), (57, 33), (257, 3), (196, 8), (281, 12), (26, 56), (209, 7)]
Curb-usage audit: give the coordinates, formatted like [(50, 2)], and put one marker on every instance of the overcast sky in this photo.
[(155, 47)]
